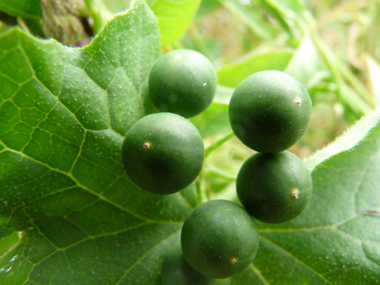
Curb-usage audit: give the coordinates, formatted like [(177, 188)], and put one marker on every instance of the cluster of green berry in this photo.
[(269, 112), (163, 153)]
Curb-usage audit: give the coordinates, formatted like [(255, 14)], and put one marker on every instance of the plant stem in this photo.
[(360, 88), (198, 40), (277, 9), (220, 174), (32, 26), (201, 190), (94, 10), (336, 68), (218, 143), (360, 105)]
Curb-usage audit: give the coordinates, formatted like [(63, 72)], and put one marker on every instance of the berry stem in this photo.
[(94, 9), (220, 174), (218, 143), (201, 190), (360, 104)]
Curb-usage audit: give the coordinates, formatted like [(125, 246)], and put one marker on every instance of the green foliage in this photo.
[(231, 75), (30, 9), (174, 17), (79, 218), (163, 153)]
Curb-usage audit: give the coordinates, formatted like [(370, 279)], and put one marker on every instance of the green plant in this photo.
[(176, 270), (274, 188), (69, 212), (183, 82), (219, 239), (163, 153), (270, 111)]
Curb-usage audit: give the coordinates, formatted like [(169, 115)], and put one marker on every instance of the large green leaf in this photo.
[(30, 9), (174, 17), (63, 115), (232, 74)]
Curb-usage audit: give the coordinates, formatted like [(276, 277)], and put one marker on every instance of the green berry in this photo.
[(177, 271), (274, 188), (183, 82), (270, 111), (163, 153), (219, 239)]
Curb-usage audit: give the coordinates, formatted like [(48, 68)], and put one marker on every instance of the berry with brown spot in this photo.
[(270, 111), (274, 188)]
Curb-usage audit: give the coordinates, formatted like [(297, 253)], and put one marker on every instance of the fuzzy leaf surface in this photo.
[(63, 115)]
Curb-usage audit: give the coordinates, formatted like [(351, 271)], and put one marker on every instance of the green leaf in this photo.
[(174, 17), (206, 7), (337, 238), (304, 64), (351, 138), (63, 113), (232, 74), (8, 242), (30, 9), (287, 7)]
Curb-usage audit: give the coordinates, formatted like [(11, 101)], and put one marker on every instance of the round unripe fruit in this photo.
[(177, 271), (219, 239), (274, 188), (182, 81), (270, 111), (163, 153)]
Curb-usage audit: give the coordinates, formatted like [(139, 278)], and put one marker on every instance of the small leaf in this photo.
[(231, 75), (174, 17), (288, 7), (304, 63)]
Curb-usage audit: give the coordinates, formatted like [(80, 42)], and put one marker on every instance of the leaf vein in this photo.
[(144, 255), (258, 273), (295, 259)]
